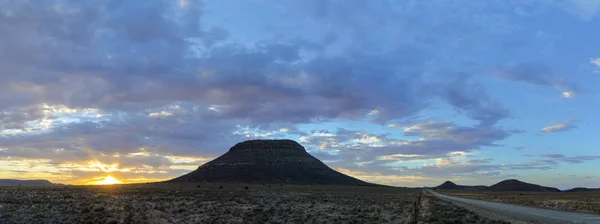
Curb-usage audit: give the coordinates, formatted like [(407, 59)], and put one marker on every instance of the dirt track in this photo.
[(526, 214)]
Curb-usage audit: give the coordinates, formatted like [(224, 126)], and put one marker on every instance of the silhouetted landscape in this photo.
[(14, 182), (260, 181), (449, 185), (583, 189), (505, 185)]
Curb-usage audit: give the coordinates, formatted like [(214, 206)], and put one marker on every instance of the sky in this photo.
[(398, 92)]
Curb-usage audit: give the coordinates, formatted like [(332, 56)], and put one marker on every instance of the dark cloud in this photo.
[(18, 118), (466, 95), (104, 57), (479, 161), (61, 47)]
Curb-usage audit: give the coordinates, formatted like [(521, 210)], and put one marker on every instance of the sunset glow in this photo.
[(104, 167), (108, 180)]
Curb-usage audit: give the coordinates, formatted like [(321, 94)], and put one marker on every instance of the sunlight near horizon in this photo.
[(108, 180), (103, 167)]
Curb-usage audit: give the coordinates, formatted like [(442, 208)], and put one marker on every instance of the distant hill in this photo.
[(449, 185), (13, 182), (267, 161), (583, 189), (507, 185), (516, 185)]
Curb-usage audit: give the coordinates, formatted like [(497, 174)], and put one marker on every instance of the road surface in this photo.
[(528, 214)]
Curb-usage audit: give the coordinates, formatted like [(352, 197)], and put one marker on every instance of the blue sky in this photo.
[(406, 93)]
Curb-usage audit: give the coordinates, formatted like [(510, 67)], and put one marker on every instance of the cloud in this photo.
[(479, 161), (568, 94), (559, 127), (465, 94), (585, 9), (266, 81), (19, 117), (456, 138), (536, 74), (391, 180), (434, 140), (567, 159), (90, 80), (596, 62), (524, 148)]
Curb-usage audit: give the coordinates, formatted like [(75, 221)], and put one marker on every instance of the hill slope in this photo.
[(583, 189), (267, 161), (448, 185), (13, 182), (516, 185)]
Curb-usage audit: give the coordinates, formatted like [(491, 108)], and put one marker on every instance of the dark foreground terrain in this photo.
[(586, 202), (213, 203), (205, 204)]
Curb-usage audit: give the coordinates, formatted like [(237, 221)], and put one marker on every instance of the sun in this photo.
[(108, 180)]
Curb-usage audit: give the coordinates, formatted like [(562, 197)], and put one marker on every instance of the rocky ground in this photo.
[(204, 204)]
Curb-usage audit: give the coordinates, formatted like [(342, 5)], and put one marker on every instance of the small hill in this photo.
[(583, 189), (13, 182), (267, 161), (516, 185), (449, 185)]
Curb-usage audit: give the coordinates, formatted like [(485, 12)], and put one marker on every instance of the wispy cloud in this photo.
[(559, 127), (585, 9), (596, 62), (537, 74), (567, 159)]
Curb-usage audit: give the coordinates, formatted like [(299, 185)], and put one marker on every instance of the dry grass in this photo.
[(205, 204), (586, 202)]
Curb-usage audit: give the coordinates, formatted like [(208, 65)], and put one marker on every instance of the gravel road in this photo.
[(526, 214)]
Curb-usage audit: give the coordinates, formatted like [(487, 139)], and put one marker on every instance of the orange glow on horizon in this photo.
[(108, 180)]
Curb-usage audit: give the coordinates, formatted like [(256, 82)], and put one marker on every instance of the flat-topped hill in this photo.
[(267, 161)]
